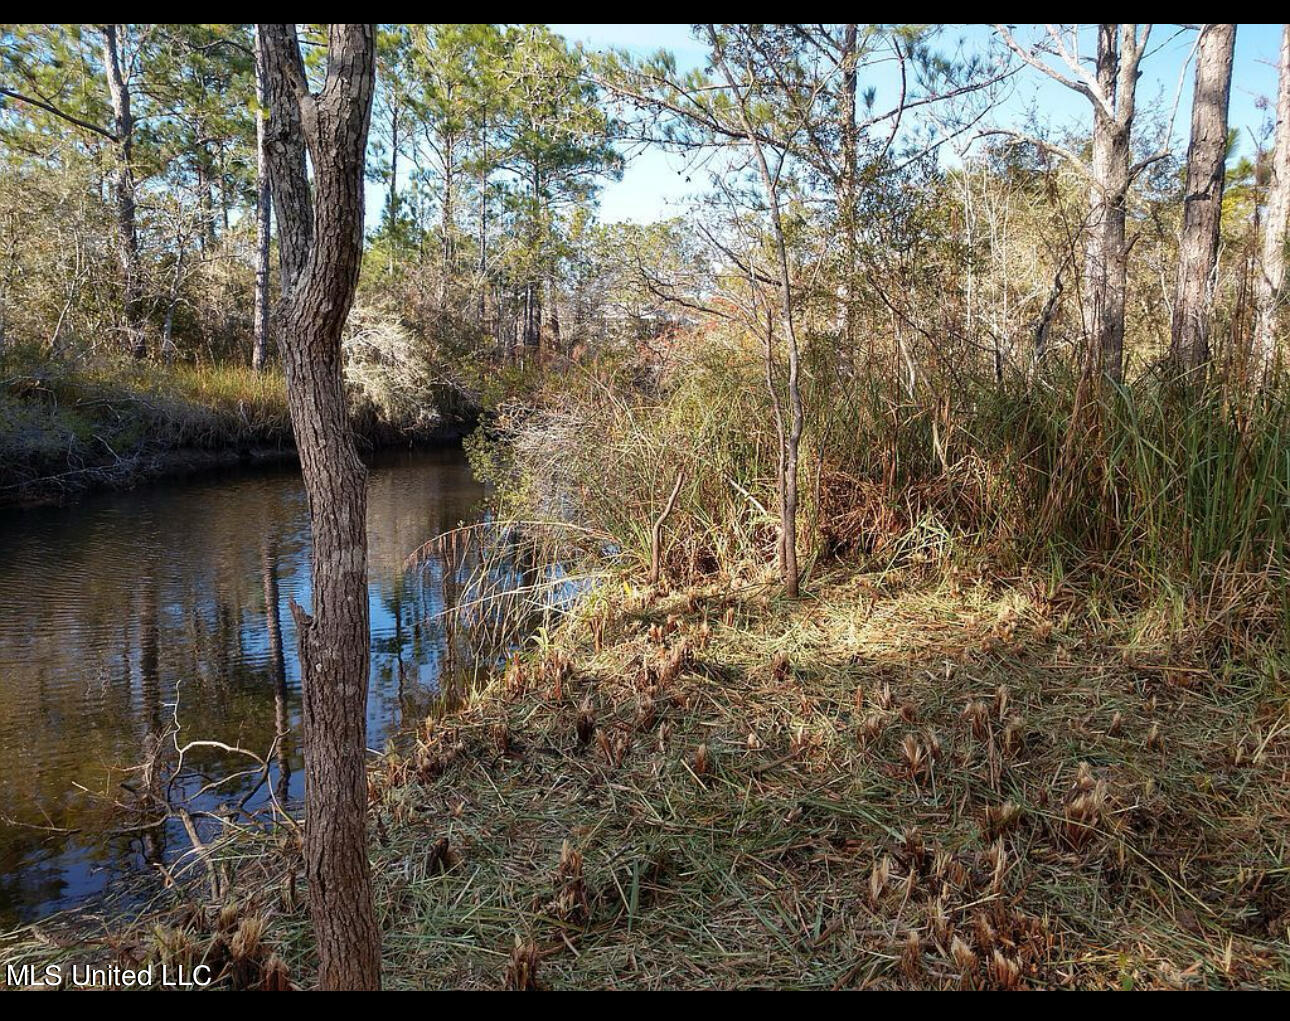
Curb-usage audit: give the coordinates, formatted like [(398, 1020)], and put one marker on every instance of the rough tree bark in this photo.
[(123, 187), (263, 220), (1272, 278), (321, 243), (1203, 197), (1119, 53), (1111, 87)]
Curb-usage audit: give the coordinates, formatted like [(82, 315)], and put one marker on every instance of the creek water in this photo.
[(127, 614)]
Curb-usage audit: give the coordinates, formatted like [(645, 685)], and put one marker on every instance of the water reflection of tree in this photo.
[(153, 834), (172, 594), (278, 665)]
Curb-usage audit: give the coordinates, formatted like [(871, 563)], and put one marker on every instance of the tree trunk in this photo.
[(1272, 278), (321, 244), (483, 223), (392, 201), (533, 293), (1104, 267), (1043, 325), (225, 202), (205, 196), (263, 222), (847, 191), (1203, 199), (791, 443), (123, 186), (554, 339), (532, 316), (448, 212), (1106, 258)]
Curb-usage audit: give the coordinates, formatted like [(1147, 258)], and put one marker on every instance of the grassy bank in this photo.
[(898, 781), (67, 427)]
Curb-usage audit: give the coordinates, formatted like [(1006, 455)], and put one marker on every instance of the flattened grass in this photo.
[(1112, 818), (892, 783), (896, 786)]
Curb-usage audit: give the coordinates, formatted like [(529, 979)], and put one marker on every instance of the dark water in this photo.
[(128, 612)]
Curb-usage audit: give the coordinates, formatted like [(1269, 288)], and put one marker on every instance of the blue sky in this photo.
[(654, 185)]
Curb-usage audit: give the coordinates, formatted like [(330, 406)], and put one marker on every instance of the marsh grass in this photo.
[(65, 427), (69, 426), (1142, 490)]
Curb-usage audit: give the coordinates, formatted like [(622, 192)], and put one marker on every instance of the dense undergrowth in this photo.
[(1141, 492)]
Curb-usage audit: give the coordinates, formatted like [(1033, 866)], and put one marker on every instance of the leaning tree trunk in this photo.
[(123, 186), (321, 244), (1272, 278), (1203, 198), (263, 222)]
